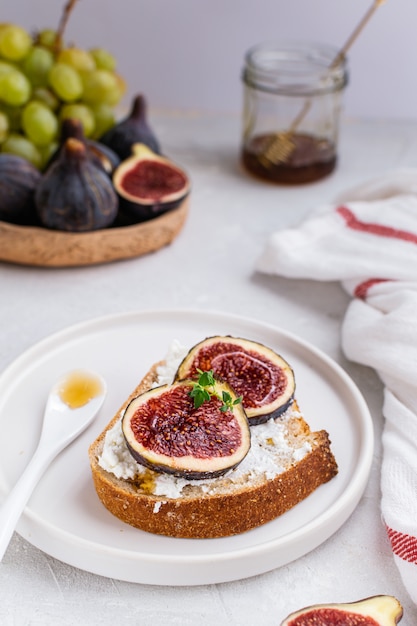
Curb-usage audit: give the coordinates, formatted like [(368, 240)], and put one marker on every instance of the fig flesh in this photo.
[(148, 184), (380, 610), (74, 194), (133, 129), (257, 373), (18, 182), (165, 431)]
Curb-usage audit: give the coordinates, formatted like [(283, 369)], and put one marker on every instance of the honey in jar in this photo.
[(292, 103)]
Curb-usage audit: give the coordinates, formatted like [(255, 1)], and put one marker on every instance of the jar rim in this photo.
[(295, 67)]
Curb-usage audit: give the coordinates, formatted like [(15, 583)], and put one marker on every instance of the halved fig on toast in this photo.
[(261, 376), (380, 610), (165, 431)]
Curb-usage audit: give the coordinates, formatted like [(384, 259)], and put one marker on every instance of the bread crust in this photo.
[(218, 514)]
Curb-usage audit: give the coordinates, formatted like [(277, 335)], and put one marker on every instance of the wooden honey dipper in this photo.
[(281, 145)]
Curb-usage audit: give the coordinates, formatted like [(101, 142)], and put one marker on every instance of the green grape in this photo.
[(5, 67), (119, 92), (39, 123), (100, 86), (46, 153), (4, 126), (79, 59), (79, 112), (14, 88), (17, 144), (15, 42), (37, 65), (14, 115), (47, 97), (104, 117), (65, 82), (46, 38), (104, 60)]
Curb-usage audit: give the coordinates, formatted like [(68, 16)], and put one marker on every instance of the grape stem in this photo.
[(68, 8)]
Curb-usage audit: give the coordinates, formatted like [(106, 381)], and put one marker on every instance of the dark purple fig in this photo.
[(257, 373), (99, 153), (133, 129), (18, 182), (149, 184), (102, 155), (167, 431), (74, 194), (375, 611)]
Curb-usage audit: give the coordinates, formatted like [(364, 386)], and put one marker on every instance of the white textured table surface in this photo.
[(210, 266)]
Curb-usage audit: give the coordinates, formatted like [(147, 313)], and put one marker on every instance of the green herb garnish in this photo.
[(203, 390)]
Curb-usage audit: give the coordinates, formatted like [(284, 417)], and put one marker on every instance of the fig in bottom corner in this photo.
[(380, 610)]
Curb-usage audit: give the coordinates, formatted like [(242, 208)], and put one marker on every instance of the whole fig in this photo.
[(74, 194), (18, 181), (133, 129), (102, 155)]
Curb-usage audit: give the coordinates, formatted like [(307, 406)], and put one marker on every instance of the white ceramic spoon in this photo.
[(84, 393)]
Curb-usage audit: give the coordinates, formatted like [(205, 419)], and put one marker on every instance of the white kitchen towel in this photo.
[(368, 241)]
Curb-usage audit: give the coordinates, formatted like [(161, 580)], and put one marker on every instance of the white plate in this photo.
[(64, 517)]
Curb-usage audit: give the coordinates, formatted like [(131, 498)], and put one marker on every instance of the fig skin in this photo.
[(18, 182), (382, 610), (74, 194), (205, 355), (165, 432), (101, 155), (132, 129), (148, 184)]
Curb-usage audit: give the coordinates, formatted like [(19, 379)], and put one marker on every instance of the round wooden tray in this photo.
[(33, 245)]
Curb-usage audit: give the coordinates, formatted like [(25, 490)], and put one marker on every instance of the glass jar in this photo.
[(291, 111)]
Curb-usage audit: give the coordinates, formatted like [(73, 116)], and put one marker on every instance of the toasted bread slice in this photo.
[(284, 468)]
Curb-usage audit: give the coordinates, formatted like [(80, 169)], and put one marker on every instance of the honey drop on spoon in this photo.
[(78, 388)]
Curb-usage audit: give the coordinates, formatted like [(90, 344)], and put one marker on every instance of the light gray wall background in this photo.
[(188, 54)]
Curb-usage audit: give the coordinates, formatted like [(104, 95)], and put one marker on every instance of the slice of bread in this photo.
[(282, 470)]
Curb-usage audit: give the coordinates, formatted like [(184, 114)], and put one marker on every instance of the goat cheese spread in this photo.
[(261, 459)]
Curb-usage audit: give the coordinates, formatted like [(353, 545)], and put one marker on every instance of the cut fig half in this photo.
[(380, 610), (164, 431), (261, 376), (149, 184)]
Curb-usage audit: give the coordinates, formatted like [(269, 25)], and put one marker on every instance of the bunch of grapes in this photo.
[(43, 82)]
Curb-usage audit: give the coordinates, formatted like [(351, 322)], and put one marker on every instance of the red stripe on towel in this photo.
[(404, 546), (361, 290), (375, 229)]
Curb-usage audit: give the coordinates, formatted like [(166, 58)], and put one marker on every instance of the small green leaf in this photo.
[(206, 379), (203, 390), (200, 395), (227, 398)]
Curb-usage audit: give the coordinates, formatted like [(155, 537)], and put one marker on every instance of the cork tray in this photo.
[(32, 245)]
